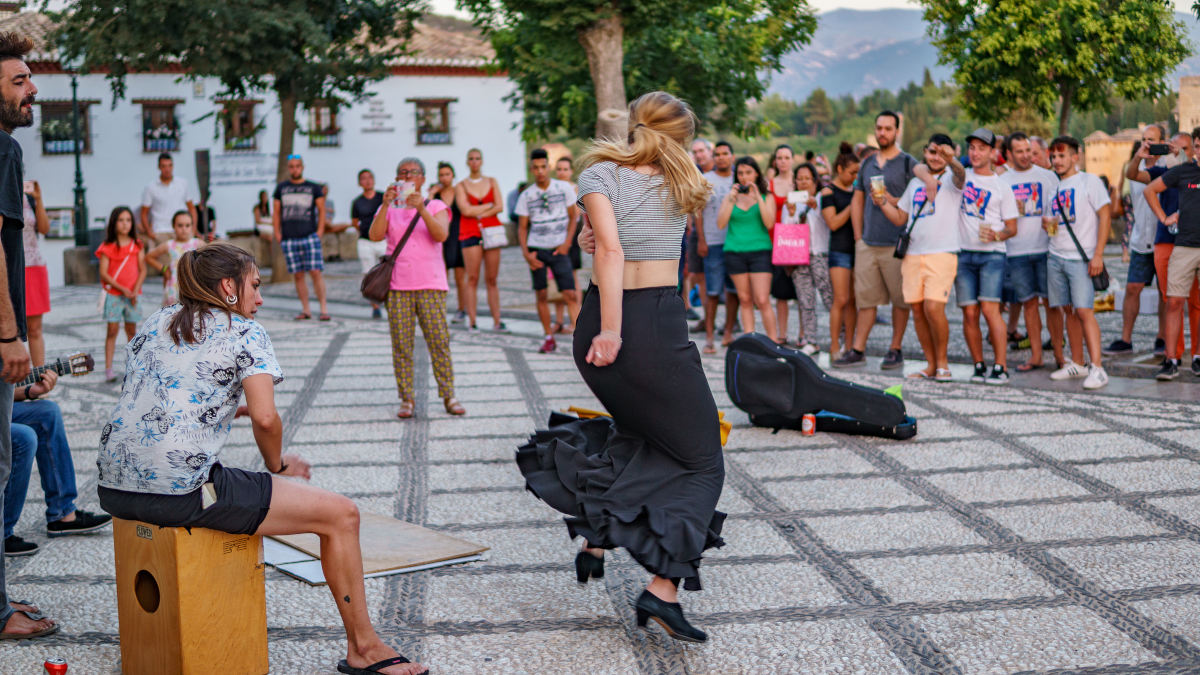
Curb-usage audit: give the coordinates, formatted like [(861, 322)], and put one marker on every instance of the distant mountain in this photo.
[(858, 51)]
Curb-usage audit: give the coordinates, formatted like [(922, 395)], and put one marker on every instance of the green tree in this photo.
[(1072, 54), (574, 60), (818, 112), (303, 50), (781, 114)]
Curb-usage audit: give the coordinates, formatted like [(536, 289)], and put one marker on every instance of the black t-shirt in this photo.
[(12, 205), (298, 207), (1186, 178), (841, 240), (363, 210)]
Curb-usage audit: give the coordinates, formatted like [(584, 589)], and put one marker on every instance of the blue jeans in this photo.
[(1141, 268), (980, 277), (43, 420), (6, 397), (1028, 276), (1070, 283), (715, 278)]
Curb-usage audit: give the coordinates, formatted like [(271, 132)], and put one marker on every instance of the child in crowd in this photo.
[(122, 271), (185, 240)]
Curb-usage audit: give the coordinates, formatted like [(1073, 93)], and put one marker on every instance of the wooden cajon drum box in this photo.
[(189, 603)]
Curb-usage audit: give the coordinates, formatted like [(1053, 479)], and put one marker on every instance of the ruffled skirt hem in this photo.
[(618, 492)]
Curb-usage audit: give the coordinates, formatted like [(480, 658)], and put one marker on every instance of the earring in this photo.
[(231, 299)]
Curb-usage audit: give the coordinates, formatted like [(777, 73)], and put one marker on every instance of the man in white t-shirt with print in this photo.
[(929, 267), (1082, 202), (1032, 187), (987, 218), (546, 215), (162, 198)]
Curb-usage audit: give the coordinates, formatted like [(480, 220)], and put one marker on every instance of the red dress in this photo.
[(469, 228)]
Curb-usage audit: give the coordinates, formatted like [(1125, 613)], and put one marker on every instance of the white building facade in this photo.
[(435, 106)]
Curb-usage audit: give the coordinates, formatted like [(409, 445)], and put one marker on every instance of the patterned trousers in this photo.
[(405, 309), (811, 279)]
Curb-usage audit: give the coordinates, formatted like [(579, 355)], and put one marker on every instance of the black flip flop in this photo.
[(33, 616), (344, 667)]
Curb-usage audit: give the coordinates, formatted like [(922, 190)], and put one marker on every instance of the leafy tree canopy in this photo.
[(304, 50), (1039, 54), (712, 54)]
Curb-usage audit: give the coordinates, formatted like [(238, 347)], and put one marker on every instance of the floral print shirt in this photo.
[(178, 401)]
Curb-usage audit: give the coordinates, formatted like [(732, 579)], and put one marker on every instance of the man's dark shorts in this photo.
[(243, 498), (558, 265)]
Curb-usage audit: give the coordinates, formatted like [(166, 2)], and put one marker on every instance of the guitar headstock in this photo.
[(81, 363)]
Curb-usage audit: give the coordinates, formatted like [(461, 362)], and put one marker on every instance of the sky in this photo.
[(447, 6)]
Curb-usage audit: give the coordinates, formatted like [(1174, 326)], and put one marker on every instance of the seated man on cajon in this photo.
[(184, 375)]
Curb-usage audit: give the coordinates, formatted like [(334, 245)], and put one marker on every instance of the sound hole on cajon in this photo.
[(145, 588)]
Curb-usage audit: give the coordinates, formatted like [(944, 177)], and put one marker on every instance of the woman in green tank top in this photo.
[(749, 213)]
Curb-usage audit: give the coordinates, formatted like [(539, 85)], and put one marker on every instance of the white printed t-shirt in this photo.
[(547, 213), (1080, 197), (936, 230), (164, 199), (1033, 190), (985, 200)]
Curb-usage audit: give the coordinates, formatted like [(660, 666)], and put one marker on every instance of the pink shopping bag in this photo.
[(792, 244)]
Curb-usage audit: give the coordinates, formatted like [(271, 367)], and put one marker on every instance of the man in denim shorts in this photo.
[(987, 217), (710, 245), (299, 220), (1080, 218), (1026, 253)]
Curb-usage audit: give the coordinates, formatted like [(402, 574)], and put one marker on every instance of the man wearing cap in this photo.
[(299, 221), (987, 218)]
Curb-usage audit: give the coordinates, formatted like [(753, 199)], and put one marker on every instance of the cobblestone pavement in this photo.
[(1025, 528)]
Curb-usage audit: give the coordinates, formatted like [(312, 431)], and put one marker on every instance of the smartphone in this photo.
[(743, 188), (403, 190), (28, 187), (798, 196), (1160, 149)]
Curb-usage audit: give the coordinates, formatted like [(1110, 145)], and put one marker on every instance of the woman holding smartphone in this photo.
[(749, 213)]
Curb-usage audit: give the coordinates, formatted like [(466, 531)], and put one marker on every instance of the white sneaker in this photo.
[(809, 348), (1096, 378), (1071, 371)]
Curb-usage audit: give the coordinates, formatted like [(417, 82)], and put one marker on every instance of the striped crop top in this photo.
[(649, 224)]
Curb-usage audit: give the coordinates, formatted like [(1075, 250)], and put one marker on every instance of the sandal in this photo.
[(918, 375), (344, 667), (32, 616), (407, 409), (709, 348), (324, 317), (302, 316), (555, 327), (943, 375), (1026, 367), (32, 612), (453, 406)]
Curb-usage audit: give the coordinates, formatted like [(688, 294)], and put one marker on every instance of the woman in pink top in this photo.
[(418, 291)]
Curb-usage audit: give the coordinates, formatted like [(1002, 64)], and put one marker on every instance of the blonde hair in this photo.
[(661, 126), (200, 273)]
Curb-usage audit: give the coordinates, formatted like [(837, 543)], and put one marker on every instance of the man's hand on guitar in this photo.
[(49, 379), (16, 361)]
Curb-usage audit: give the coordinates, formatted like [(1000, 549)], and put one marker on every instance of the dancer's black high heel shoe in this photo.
[(669, 615), (588, 566)]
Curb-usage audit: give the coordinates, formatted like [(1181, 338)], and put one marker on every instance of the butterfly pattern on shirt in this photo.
[(178, 401)]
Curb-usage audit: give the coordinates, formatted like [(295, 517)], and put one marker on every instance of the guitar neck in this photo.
[(59, 366)]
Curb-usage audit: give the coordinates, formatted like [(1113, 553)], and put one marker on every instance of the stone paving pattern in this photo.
[(1024, 529)]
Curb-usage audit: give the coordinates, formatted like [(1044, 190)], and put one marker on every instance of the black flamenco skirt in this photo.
[(648, 479)]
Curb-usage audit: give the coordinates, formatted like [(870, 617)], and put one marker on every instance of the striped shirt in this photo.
[(649, 223)]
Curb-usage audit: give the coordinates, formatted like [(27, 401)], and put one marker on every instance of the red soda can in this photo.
[(808, 424), (55, 666)]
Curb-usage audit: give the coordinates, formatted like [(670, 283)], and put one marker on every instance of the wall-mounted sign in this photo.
[(377, 118), (242, 168)]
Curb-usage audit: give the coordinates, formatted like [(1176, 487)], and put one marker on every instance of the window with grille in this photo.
[(323, 130), (57, 130), (160, 128), (433, 120)]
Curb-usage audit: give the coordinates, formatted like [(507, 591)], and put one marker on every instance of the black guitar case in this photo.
[(778, 385)]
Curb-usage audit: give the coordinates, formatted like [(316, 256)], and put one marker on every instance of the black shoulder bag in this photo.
[(378, 281), (1099, 281), (906, 236)]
